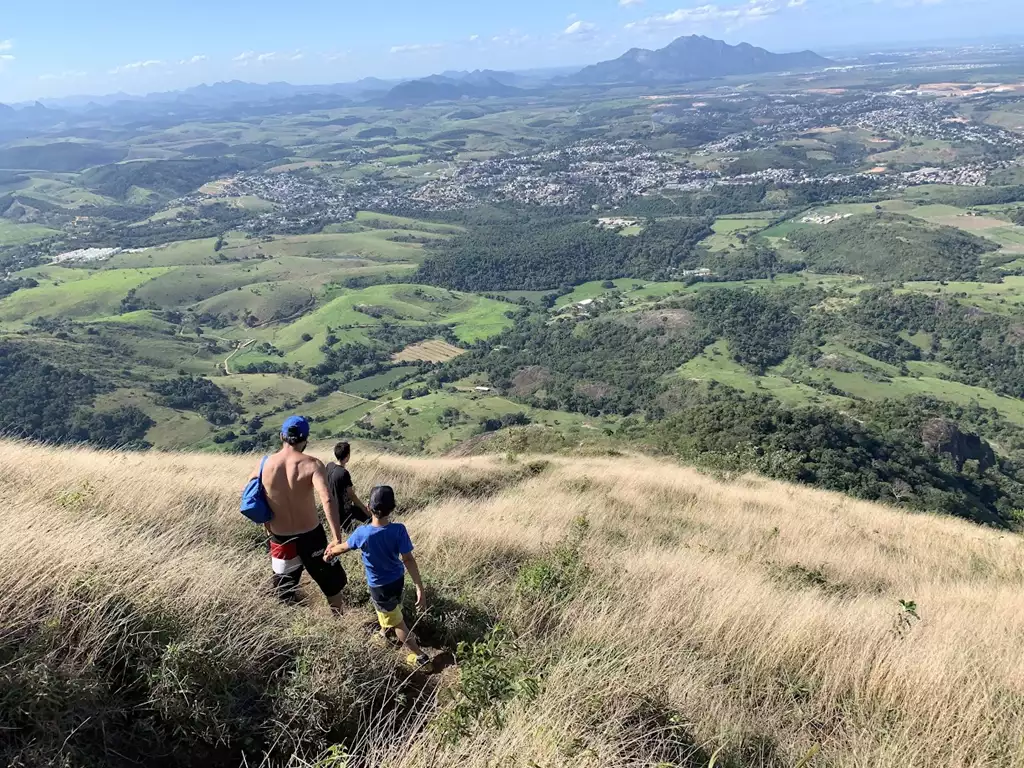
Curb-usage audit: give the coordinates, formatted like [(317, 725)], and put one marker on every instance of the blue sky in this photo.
[(52, 48)]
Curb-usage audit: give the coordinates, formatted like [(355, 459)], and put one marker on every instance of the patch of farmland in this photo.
[(431, 351)]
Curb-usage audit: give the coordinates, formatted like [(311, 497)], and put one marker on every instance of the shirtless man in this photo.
[(297, 537)]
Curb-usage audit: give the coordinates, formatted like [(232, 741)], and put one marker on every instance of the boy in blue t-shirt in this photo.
[(387, 553)]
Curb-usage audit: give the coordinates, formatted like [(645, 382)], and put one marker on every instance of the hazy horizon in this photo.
[(119, 47)]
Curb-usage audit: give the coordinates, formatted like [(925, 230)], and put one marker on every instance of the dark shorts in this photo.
[(291, 555), (388, 597)]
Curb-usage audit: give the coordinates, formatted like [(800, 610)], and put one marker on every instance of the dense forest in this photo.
[(59, 156), (193, 393), (44, 402), (166, 177), (536, 254), (719, 427), (884, 246)]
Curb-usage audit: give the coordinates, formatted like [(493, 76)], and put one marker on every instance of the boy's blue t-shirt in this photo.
[(382, 549)]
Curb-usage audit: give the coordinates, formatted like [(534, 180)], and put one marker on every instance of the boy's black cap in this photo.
[(382, 499)]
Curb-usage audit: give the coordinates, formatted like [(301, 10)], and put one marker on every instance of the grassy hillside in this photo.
[(77, 294), (602, 612)]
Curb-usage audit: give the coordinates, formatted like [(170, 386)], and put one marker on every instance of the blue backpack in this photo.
[(254, 499)]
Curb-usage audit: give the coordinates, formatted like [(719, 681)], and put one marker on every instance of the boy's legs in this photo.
[(406, 636), (388, 602)]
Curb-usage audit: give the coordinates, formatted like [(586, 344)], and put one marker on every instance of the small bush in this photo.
[(562, 572), (492, 671)]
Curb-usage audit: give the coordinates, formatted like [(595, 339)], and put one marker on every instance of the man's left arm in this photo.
[(355, 503), (329, 504)]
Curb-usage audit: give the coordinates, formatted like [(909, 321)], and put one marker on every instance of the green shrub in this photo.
[(492, 672)]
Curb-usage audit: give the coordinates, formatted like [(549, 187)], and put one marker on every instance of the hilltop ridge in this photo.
[(614, 611), (694, 57)]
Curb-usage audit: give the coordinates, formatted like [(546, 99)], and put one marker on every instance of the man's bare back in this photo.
[(290, 478)]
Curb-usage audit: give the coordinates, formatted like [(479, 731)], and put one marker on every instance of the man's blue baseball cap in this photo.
[(295, 427)]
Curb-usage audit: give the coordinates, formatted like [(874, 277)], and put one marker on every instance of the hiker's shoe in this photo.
[(418, 662)]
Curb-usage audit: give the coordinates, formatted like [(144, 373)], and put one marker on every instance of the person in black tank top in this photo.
[(342, 491)]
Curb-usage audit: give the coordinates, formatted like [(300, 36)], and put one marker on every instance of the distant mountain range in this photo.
[(687, 58), (474, 85), (693, 58)]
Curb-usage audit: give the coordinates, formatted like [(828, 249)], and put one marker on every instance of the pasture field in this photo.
[(403, 304), (988, 225), (794, 384), (260, 392), (640, 291), (727, 232), (417, 421), (381, 382), (90, 296), (263, 301), (13, 233), (376, 220), (368, 244), (867, 387), (145, 319), (176, 254), (374, 244), (918, 151), (716, 364), (174, 430), (432, 351), (1002, 298), (188, 285)]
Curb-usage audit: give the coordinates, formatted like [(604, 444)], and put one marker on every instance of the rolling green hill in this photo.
[(891, 247), (74, 294)]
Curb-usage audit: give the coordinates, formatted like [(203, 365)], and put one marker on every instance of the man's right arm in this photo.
[(363, 514)]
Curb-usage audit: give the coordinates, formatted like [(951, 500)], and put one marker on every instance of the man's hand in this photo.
[(421, 598), (335, 549)]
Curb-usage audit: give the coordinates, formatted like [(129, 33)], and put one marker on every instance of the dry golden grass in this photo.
[(752, 616)]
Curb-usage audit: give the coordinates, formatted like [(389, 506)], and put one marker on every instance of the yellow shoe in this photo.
[(418, 662)]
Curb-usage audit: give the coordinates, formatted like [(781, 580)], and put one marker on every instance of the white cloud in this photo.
[(63, 76), (416, 47), (6, 45), (135, 66), (580, 29), (474, 38), (252, 57), (756, 10), (6, 57), (193, 60), (513, 37), (630, 3)]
